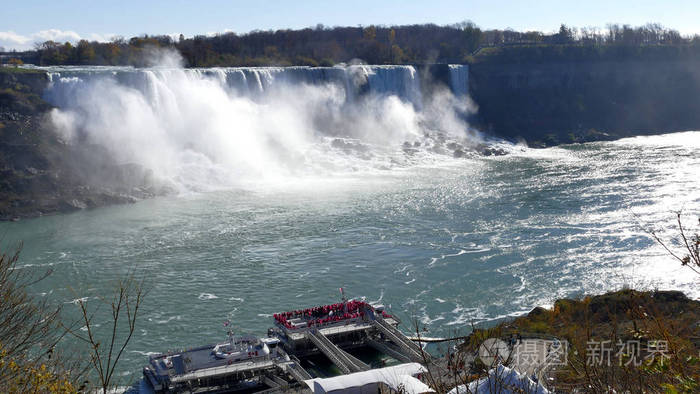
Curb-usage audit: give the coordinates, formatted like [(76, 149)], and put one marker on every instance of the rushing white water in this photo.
[(200, 129)]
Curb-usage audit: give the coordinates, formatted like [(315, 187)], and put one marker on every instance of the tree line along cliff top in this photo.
[(411, 44)]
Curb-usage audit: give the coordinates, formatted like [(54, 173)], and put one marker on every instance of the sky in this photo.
[(22, 23)]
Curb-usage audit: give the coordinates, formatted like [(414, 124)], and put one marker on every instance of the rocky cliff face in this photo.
[(40, 174), (35, 81), (20, 92), (552, 103)]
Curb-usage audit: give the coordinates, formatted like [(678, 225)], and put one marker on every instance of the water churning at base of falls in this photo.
[(201, 129)]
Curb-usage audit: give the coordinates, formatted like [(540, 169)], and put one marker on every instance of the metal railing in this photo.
[(297, 371), (385, 348), (336, 358), (413, 351)]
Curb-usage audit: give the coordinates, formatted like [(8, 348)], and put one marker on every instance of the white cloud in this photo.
[(56, 35), (11, 40), (100, 37), (214, 33)]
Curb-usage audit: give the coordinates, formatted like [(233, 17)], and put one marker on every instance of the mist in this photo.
[(201, 130)]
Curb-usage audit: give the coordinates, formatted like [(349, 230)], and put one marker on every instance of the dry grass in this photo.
[(633, 325)]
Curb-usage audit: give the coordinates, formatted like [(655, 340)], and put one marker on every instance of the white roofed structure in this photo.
[(501, 380), (400, 377)]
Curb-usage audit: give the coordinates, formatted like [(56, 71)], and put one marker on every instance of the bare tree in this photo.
[(689, 242), (124, 308)]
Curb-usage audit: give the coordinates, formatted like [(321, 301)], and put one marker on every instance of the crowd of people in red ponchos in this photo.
[(321, 315)]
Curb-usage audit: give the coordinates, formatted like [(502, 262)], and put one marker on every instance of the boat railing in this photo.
[(334, 313), (324, 325)]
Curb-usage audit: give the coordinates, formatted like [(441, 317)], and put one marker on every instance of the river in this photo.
[(440, 240)]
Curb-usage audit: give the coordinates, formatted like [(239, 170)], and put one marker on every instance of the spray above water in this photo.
[(208, 128)]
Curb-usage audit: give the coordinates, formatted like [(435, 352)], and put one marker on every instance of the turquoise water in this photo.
[(447, 242)]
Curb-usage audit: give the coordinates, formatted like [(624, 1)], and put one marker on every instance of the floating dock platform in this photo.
[(253, 364)]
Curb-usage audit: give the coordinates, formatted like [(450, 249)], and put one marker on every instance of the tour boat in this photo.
[(241, 348)]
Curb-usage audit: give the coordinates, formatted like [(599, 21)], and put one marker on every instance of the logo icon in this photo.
[(493, 351)]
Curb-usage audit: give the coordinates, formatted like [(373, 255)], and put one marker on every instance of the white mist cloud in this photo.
[(163, 58), (194, 129), (11, 40)]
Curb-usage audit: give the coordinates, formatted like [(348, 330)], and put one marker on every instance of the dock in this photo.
[(330, 331)]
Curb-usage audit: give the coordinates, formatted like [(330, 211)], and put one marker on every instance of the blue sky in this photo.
[(27, 21)]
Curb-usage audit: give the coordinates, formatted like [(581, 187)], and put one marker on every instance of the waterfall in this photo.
[(400, 81), (204, 127), (459, 79)]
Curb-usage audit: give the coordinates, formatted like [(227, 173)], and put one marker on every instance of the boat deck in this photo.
[(225, 370), (339, 328)]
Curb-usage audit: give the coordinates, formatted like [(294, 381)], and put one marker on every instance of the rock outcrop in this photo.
[(40, 174)]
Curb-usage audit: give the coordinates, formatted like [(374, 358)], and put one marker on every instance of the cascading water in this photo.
[(459, 79), (203, 128), (356, 80)]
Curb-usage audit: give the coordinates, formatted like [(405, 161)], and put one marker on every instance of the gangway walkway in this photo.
[(335, 356), (296, 370), (386, 348), (413, 351), (344, 361), (357, 362)]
